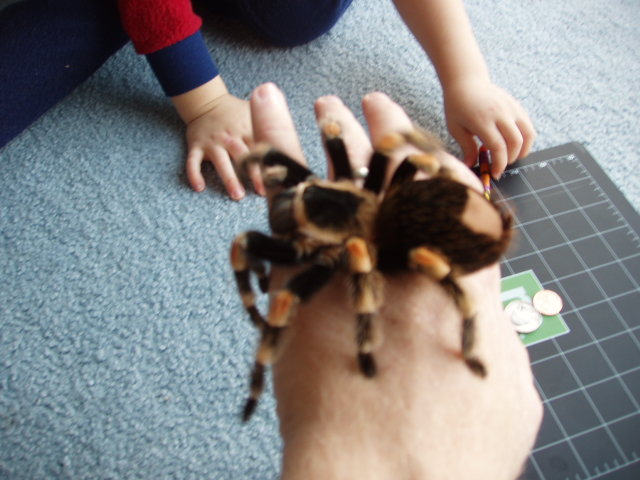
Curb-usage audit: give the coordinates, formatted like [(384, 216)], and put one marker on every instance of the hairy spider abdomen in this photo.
[(431, 213)]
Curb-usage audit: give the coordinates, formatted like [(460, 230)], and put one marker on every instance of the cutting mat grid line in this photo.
[(567, 351), (597, 383), (582, 239)]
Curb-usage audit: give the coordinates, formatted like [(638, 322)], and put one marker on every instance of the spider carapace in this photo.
[(435, 225)]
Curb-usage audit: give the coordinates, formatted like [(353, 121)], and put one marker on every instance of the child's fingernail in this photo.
[(237, 193)]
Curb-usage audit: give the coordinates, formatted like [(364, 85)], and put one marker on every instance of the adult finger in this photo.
[(384, 116), (272, 122), (330, 109)]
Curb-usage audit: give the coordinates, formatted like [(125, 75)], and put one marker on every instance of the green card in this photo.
[(523, 286)]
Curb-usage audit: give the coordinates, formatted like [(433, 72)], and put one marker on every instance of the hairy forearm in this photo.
[(443, 30)]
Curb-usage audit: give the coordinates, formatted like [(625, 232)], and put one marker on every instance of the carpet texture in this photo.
[(124, 350)]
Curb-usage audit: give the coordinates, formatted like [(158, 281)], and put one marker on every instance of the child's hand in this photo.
[(479, 108), (221, 135), (219, 131)]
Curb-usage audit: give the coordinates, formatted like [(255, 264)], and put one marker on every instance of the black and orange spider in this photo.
[(437, 226)]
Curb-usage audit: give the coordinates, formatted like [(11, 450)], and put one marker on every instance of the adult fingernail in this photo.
[(265, 91), (330, 99), (375, 95)]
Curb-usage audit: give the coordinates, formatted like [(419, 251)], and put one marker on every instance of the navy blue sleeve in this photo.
[(183, 66)]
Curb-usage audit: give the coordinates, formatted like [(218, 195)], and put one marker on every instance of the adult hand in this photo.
[(424, 415)]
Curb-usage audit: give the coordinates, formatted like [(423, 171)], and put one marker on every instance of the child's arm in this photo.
[(218, 124), (474, 105)]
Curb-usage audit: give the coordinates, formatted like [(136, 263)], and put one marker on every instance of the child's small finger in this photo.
[(194, 172), (256, 180), (238, 149), (528, 134), (224, 167), (499, 158), (513, 140), (467, 142)]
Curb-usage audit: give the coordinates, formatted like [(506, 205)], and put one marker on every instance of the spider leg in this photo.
[(299, 289), (337, 150), (468, 326), (380, 160), (424, 162), (367, 292), (247, 252), (435, 266), (425, 141), (265, 353), (278, 169), (431, 263), (377, 169)]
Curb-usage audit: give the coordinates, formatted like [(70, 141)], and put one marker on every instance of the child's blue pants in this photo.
[(49, 47)]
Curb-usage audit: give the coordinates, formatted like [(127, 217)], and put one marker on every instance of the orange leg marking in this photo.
[(429, 262), (390, 142), (238, 254), (331, 129), (281, 308), (359, 259), (426, 162)]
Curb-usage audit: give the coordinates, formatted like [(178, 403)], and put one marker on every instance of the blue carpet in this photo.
[(124, 350)]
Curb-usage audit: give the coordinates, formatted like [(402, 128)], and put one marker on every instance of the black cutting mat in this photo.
[(581, 237)]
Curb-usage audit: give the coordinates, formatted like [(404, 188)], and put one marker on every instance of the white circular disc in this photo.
[(524, 317)]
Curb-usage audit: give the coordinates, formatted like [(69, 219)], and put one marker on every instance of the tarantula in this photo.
[(437, 226)]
